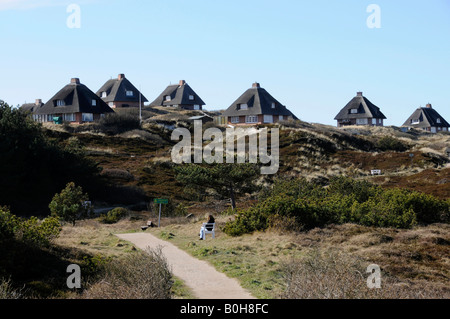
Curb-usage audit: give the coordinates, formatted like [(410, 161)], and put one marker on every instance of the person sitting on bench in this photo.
[(207, 227)]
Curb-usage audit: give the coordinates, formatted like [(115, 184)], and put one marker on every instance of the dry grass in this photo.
[(96, 238), (335, 275), (144, 275)]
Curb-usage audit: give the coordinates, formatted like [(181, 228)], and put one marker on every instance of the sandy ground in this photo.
[(202, 278)]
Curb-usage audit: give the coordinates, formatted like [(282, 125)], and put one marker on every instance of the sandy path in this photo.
[(203, 279)]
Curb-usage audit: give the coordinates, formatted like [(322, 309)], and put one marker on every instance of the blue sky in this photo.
[(313, 56)]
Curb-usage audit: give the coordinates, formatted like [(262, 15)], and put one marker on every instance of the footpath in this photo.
[(203, 279)]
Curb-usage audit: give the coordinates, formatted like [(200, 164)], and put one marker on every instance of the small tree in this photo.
[(70, 205), (227, 180)]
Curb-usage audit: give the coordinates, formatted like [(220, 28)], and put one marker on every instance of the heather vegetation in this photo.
[(273, 234)]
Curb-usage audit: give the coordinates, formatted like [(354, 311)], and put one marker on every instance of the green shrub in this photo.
[(389, 143), (40, 233), (115, 123), (303, 205), (29, 230), (8, 224), (114, 216)]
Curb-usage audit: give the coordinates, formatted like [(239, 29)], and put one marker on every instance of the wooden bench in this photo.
[(209, 229)]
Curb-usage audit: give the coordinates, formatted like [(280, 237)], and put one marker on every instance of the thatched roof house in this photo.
[(74, 103), (179, 95), (428, 119), (257, 106), (120, 92), (360, 111)]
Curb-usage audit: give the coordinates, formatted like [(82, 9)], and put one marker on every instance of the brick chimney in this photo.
[(38, 102), (182, 82), (75, 81), (359, 93), (429, 106), (121, 76), (256, 85)]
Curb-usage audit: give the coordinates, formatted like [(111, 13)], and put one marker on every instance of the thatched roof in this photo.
[(258, 102), (426, 117), (116, 91), (179, 95), (76, 98), (366, 109)]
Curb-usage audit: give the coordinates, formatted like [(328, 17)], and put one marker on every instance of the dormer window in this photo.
[(130, 93), (242, 107), (167, 98), (191, 98), (415, 121), (104, 94), (353, 111), (60, 103)]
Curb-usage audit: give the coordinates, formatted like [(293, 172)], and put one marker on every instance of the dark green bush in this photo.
[(8, 224), (115, 123), (114, 216), (39, 233), (389, 143), (306, 206), (28, 230), (34, 166)]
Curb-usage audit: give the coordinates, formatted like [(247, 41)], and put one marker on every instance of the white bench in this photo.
[(208, 228), (375, 172)]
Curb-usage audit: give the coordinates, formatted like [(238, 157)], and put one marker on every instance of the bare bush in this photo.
[(7, 291), (335, 275), (136, 276)]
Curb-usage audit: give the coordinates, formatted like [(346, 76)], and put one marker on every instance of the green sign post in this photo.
[(160, 201)]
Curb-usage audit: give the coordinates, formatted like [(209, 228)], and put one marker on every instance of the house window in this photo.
[(268, 119), (353, 111), (415, 121), (167, 98), (60, 103), (438, 121), (374, 121), (130, 93), (235, 119), (242, 107), (251, 119), (87, 117), (69, 117), (196, 107), (362, 121), (94, 102), (273, 105), (280, 118), (104, 94), (191, 98)]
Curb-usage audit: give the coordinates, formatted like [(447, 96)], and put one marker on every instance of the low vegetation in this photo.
[(141, 275), (310, 233)]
